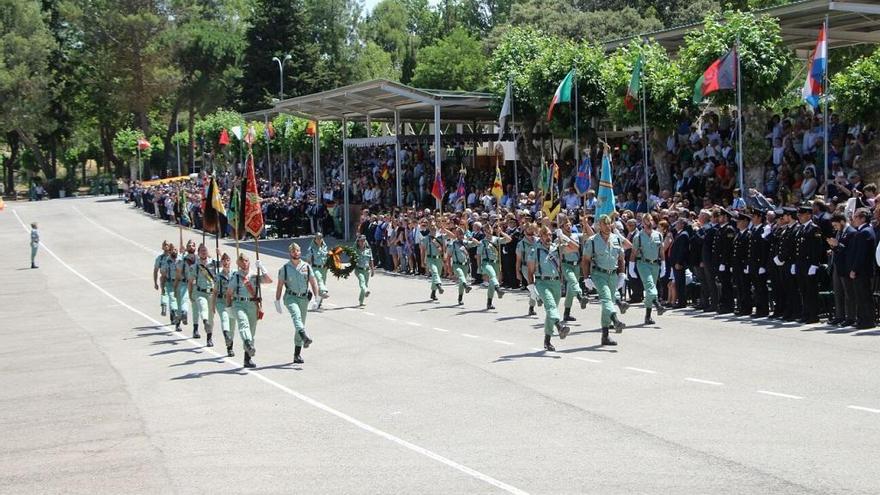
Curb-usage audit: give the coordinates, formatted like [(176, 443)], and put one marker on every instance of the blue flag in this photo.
[(583, 179), (605, 197)]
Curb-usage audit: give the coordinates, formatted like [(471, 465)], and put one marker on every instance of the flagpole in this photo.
[(515, 142), (269, 151), (140, 165), (577, 151), (644, 108), (739, 119), (827, 90)]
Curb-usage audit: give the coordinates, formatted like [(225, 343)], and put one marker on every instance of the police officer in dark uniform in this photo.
[(723, 257), (759, 259), (708, 285), (785, 263), (862, 267), (777, 268), (809, 254), (740, 265)]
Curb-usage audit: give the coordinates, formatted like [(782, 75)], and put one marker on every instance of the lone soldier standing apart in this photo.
[(365, 267), (317, 258), (649, 262), (200, 285), (432, 258), (244, 297), (296, 276), (157, 268), (35, 243), (544, 278), (224, 276), (602, 264), (489, 252)]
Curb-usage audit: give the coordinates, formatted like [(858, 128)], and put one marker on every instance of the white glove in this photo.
[(621, 279), (722, 268), (632, 269), (260, 266), (278, 306), (792, 269), (777, 261), (662, 269), (533, 292), (762, 270), (746, 270), (589, 284), (812, 270), (313, 304)]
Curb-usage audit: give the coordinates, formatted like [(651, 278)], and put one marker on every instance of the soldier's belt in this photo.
[(246, 299), (572, 264), (296, 294), (433, 257), (204, 291), (462, 265), (547, 278), (653, 262), (602, 270)]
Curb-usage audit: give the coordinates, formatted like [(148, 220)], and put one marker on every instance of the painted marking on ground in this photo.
[(640, 370), (390, 318), (331, 305), (470, 336), (503, 342), (304, 398), (441, 330), (369, 314), (866, 409), (777, 394), (114, 234), (586, 359), (705, 382), (413, 323)]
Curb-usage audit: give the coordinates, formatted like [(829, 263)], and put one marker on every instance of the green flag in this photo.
[(563, 93), (635, 85)]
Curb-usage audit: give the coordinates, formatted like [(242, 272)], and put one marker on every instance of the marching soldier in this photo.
[(365, 268), (524, 250), (489, 252), (316, 256), (809, 254), (723, 257), (296, 276), (157, 268), (602, 264), (740, 265), (167, 279), (649, 262), (459, 259), (224, 277), (200, 285), (181, 279), (543, 278), (759, 259), (243, 295), (570, 255), (35, 244), (432, 258)]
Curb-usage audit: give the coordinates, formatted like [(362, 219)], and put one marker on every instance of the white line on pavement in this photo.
[(866, 409), (413, 323), (390, 318), (440, 329), (777, 394), (640, 370), (470, 336), (503, 342), (586, 359), (115, 234), (700, 380), (308, 400), (369, 314)]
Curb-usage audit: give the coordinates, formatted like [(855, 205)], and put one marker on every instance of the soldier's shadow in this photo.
[(535, 354), (592, 348), (202, 374)]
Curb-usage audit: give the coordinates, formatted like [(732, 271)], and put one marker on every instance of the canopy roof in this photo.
[(850, 23), (380, 99)]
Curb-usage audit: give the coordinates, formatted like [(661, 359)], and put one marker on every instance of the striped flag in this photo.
[(563, 93), (460, 190), (814, 86)]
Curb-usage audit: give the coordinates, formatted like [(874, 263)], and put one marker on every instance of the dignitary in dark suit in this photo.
[(861, 268), (844, 289), (678, 259)]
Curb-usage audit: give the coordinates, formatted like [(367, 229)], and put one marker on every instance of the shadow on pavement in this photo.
[(230, 371), (592, 348), (217, 359), (535, 354), (193, 350)]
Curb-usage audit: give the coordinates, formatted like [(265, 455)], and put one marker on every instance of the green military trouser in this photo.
[(202, 308), (459, 270), (606, 287), (163, 298), (435, 266), (225, 321), (549, 291), (34, 252), (182, 298), (573, 288), (321, 278), (363, 276), (246, 318), (298, 308), (172, 297), (649, 273), (490, 275)]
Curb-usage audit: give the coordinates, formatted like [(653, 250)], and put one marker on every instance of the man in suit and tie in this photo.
[(844, 290), (679, 259), (861, 268)]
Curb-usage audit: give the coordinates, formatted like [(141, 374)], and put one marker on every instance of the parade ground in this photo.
[(405, 395)]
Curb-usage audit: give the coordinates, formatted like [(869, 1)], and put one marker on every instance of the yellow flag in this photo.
[(497, 187)]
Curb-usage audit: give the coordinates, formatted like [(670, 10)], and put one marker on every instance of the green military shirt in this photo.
[(524, 249), (222, 283), (317, 255), (604, 255), (546, 260), (459, 252), (202, 275), (160, 261), (432, 245), (365, 256), (490, 247), (572, 257), (295, 278), (239, 287), (647, 247), (169, 269)]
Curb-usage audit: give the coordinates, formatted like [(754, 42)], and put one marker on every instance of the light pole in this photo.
[(281, 70)]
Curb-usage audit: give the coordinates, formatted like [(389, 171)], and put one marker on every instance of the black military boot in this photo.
[(583, 300), (164, 310), (440, 288), (249, 349), (532, 311), (606, 340), (307, 341), (489, 304), (660, 308), (547, 345), (210, 340), (500, 292), (196, 334), (433, 295), (562, 329), (460, 299), (228, 340), (467, 289), (618, 325), (648, 320), (567, 316), (623, 305), (247, 362), (297, 358)]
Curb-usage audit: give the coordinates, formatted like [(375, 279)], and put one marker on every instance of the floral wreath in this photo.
[(334, 261)]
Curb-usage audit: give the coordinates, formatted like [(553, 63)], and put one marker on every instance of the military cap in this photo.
[(805, 208), (789, 210)]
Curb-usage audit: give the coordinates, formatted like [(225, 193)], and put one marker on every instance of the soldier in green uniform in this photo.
[(200, 285), (602, 263), (181, 279), (296, 277), (647, 258), (316, 256), (224, 276), (457, 252), (432, 258), (157, 268), (524, 250), (167, 279), (365, 267), (35, 244), (489, 253), (544, 275), (570, 254), (243, 295)]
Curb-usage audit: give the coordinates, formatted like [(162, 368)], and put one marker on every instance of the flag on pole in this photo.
[(181, 204), (720, 75), (556, 171), (213, 208), (542, 180), (605, 197), (224, 137), (551, 207), (460, 190), (563, 93), (311, 128), (235, 218), (813, 87), (251, 135), (253, 212), (143, 144), (635, 85), (497, 186), (583, 179), (505, 112), (269, 131), (385, 173), (237, 132), (438, 190)]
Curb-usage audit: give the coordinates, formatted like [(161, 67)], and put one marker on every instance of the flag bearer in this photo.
[(243, 295), (602, 264)]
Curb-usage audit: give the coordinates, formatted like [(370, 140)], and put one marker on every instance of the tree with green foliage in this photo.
[(562, 19), (373, 62), (455, 62), (856, 90)]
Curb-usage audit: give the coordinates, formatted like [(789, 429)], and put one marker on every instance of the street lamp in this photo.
[(281, 69)]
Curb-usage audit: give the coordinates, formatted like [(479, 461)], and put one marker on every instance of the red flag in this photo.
[(224, 138), (143, 144), (438, 190), (720, 75), (310, 128), (253, 213)]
